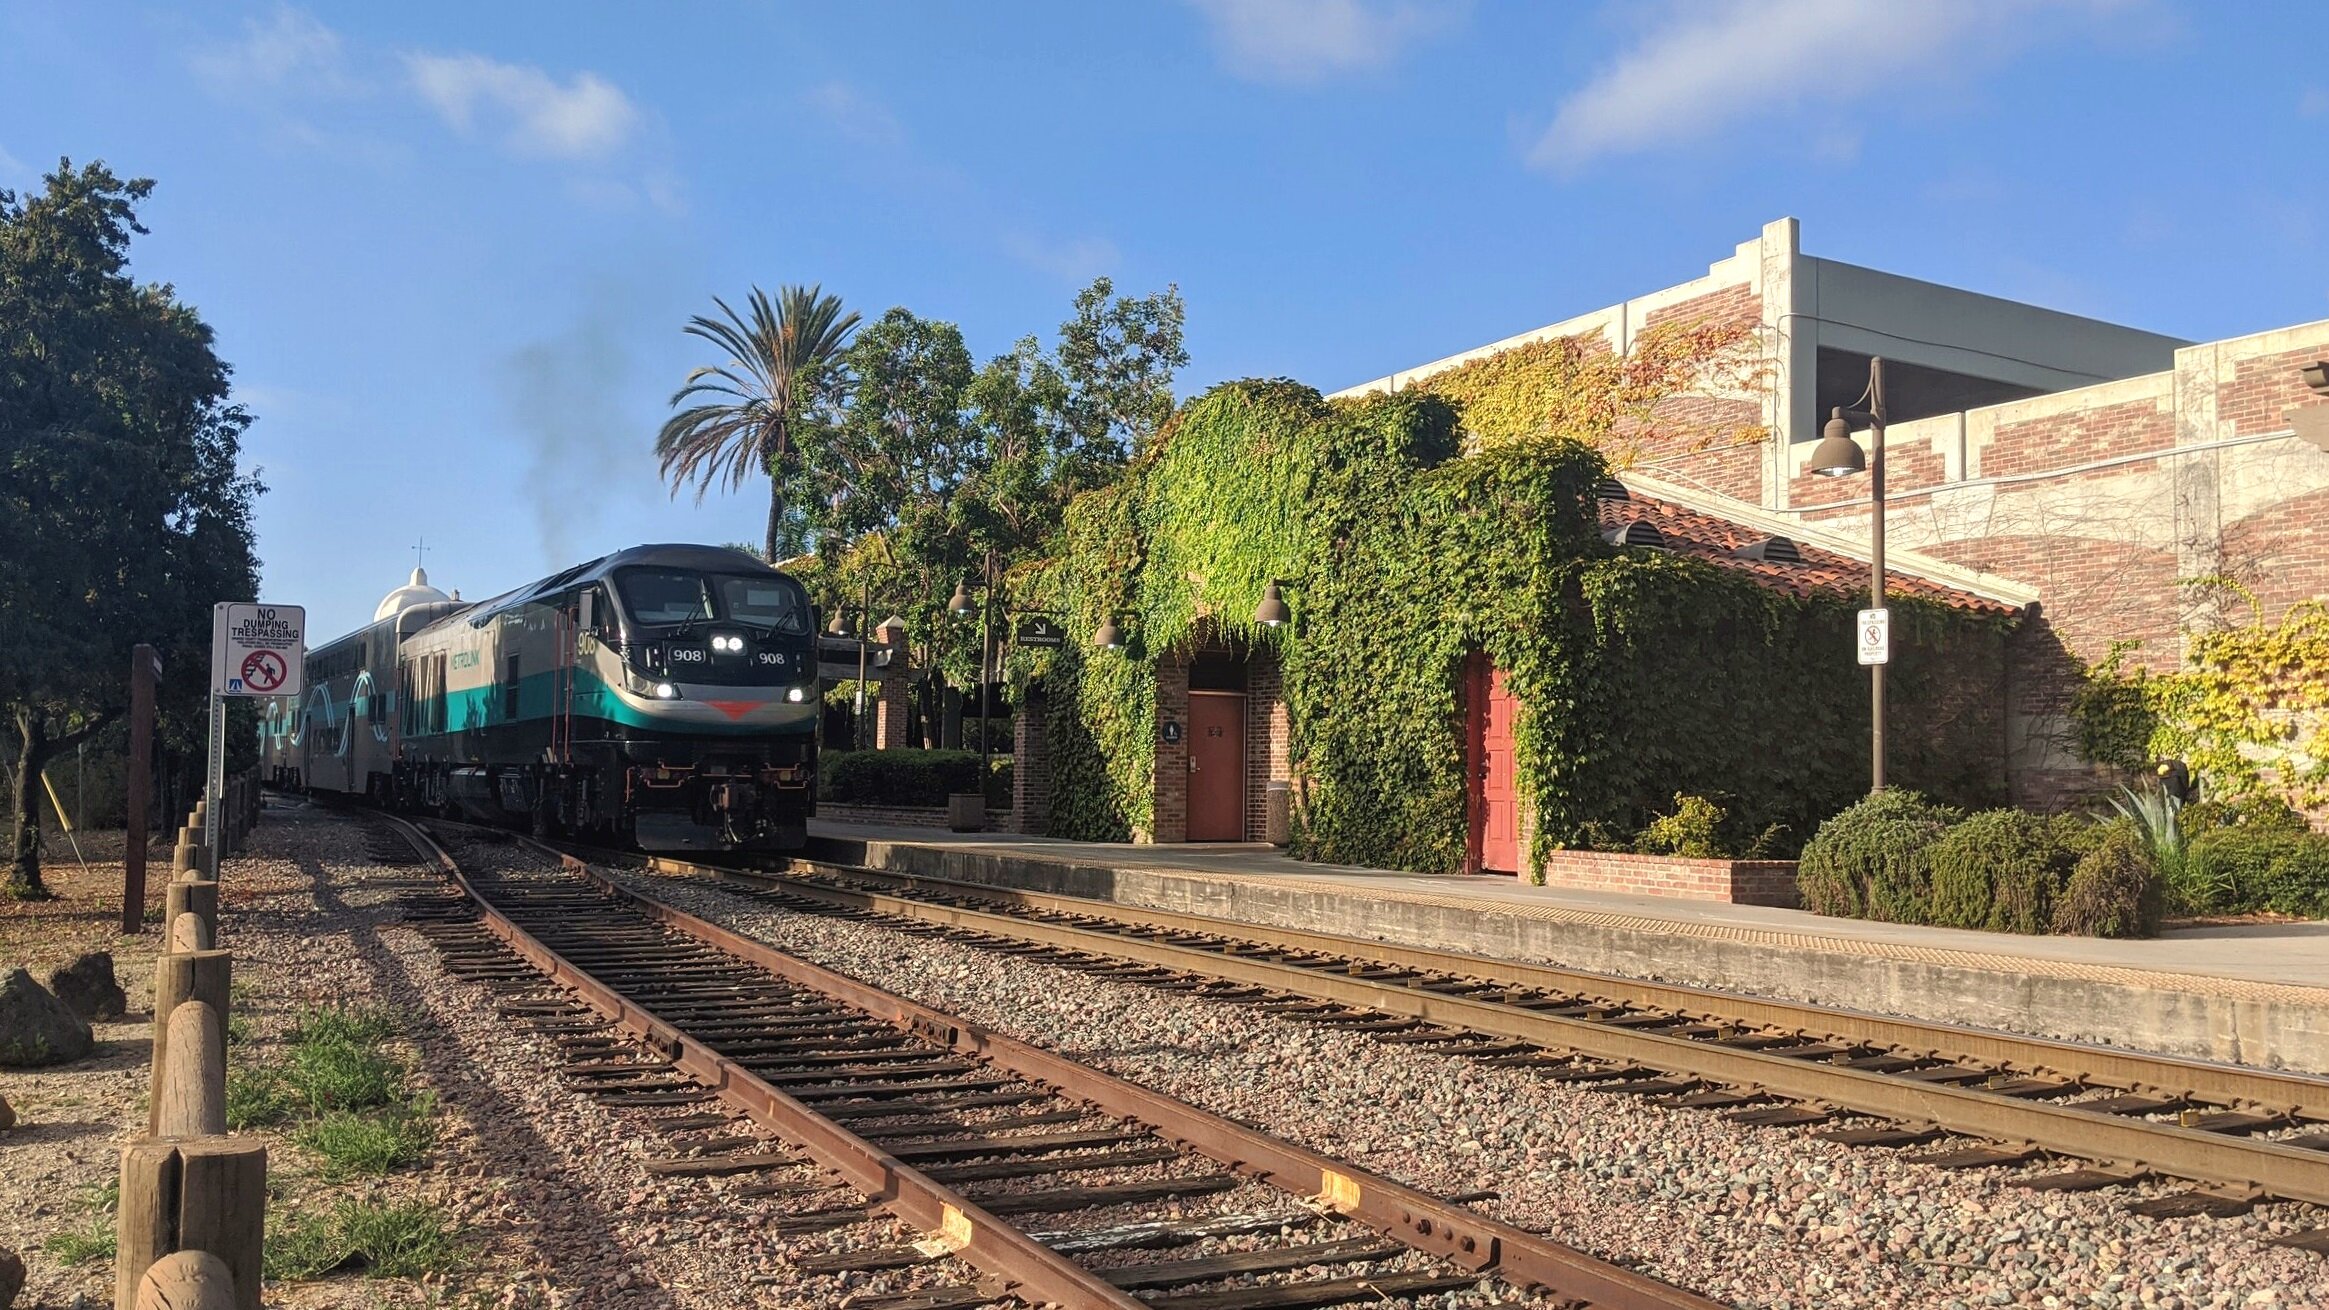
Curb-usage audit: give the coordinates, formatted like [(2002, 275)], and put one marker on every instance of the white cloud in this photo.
[(855, 114), (1709, 63), (585, 117), (1305, 42), (289, 50)]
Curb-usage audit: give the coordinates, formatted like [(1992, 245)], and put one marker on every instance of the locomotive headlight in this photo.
[(797, 695), (665, 691), (727, 643)]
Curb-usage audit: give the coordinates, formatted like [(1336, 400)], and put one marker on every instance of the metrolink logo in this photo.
[(464, 659)]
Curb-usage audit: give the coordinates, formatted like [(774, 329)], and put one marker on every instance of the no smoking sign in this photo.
[(257, 649)]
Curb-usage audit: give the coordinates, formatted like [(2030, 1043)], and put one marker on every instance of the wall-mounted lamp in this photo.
[(1272, 612)]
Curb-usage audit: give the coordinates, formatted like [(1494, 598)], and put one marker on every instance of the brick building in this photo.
[(2073, 468)]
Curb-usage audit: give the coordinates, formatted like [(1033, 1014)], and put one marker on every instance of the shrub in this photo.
[(1689, 831), (1872, 860), (2114, 891), (2239, 869), (899, 777), (255, 1096), (1999, 870), (2158, 820)]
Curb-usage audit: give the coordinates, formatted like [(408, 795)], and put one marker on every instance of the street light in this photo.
[(1109, 637), (962, 606), (1839, 456), (1272, 612)]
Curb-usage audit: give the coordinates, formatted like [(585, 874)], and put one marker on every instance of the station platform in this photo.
[(2254, 994)]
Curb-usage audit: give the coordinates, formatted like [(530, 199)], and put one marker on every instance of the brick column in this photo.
[(889, 723), (1030, 766), (1172, 757)]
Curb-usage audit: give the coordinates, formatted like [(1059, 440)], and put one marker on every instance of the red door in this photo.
[(1216, 766), (1490, 711)]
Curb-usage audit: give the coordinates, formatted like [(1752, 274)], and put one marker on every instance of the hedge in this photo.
[(896, 777), (2245, 869), (1900, 857)]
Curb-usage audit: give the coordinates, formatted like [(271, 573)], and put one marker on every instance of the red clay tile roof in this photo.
[(1717, 540)]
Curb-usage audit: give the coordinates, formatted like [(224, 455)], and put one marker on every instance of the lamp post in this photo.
[(1838, 456), (962, 606)]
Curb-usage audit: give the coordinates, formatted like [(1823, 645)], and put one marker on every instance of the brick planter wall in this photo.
[(1740, 882), (905, 816)]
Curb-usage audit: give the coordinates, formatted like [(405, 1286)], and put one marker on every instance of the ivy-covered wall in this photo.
[(1639, 673)]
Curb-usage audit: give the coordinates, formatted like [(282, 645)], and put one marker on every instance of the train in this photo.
[(663, 697)]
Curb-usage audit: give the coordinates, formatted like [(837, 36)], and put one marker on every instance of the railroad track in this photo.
[(973, 1137), (1960, 1097)]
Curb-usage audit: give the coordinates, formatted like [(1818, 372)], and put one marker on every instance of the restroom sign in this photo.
[(1876, 636), (257, 649)]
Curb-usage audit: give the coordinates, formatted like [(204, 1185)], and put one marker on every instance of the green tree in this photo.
[(123, 515), (753, 410)]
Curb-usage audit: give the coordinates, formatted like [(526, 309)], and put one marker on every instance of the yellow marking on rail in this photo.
[(954, 1227), (1338, 1191)]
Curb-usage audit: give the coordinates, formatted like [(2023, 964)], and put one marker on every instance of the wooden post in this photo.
[(203, 1195), (187, 1280), (182, 855), (196, 897), (190, 1101), (188, 932), (222, 1207), (146, 1217), (144, 667), (191, 976)]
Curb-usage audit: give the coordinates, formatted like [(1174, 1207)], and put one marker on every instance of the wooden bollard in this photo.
[(184, 856), (189, 932), (190, 1099), (194, 896), (180, 977), (204, 1194), (186, 1280)]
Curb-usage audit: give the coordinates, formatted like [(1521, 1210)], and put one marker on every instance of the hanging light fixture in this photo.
[(1272, 612), (960, 603), (1109, 637), (1837, 455)]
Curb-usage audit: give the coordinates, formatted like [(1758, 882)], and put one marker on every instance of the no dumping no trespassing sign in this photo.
[(257, 649)]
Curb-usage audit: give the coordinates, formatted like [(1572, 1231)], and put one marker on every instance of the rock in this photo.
[(87, 986), (36, 1027), (11, 1277), (7, 1121)]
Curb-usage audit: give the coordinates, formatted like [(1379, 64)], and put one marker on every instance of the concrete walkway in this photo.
[(2255, 994)]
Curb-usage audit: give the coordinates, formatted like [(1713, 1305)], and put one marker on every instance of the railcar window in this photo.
[(769, 602), (664, 595)]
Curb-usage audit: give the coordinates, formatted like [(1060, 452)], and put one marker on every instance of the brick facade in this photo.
[(1030, 765), (896, 687)]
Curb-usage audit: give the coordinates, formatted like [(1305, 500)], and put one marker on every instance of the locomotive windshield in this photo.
[(667, 596)]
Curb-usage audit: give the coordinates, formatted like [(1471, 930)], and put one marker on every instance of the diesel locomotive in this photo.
[(661, 696)]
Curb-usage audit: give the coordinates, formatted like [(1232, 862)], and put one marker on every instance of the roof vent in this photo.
[(1638, 532), (1775, 550), (1611, 489)]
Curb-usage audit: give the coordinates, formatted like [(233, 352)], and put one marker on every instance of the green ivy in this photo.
[(1638, 673)]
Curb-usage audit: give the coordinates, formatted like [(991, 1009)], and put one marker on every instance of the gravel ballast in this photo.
[(1757, 1217)]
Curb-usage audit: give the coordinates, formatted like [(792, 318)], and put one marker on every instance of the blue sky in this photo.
[(448, 249)]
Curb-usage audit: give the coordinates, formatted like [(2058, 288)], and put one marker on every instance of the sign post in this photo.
[(256, 650)]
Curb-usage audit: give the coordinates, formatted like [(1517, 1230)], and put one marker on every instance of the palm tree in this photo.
[(753, 405)]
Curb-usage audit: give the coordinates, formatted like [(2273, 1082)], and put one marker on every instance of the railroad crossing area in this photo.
[(2255, 993)]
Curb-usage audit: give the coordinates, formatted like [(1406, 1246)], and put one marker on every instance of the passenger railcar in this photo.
[(664, 695)]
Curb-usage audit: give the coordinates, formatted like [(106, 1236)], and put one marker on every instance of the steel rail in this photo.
[(2298, 1096), (2139, 1146), (1418, 1219), (1024, 1266)]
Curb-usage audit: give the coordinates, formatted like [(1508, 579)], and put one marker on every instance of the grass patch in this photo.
[(409, 1239), (256, 1096), (335, 1061), (354, 1144), (93, 1240)]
